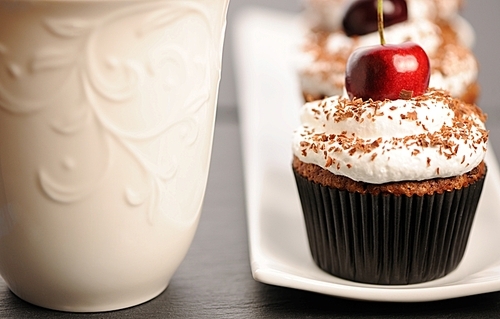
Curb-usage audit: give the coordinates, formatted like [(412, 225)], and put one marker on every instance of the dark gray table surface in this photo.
[(215, 281)]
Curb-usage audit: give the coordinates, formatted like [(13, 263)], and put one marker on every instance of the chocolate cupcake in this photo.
[(389, 189)]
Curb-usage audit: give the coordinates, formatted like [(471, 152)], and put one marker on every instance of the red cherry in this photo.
[(387, 72), (360, 17)]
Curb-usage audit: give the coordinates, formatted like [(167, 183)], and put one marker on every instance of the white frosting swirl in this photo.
[(425, 33), (454, 70), (433, 9), (426, 137)]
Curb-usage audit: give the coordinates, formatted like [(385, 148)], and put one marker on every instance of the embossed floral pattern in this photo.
[(116, 96)]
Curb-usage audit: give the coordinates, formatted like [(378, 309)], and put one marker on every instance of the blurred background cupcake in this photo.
[(434, 24), (327, 15)]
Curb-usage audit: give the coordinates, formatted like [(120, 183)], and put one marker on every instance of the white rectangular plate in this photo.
[(269, 98)]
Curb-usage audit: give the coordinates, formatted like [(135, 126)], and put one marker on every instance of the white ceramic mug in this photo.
[(107, 113)]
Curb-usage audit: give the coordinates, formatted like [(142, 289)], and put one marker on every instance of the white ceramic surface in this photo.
[(107, 112), (269, 101)]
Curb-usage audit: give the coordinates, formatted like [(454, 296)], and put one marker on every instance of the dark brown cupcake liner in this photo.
[(387, 239)]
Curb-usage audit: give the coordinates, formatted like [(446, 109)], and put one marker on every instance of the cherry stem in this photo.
[(380, 20)]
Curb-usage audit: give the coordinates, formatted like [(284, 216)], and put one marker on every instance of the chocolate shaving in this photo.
[(405, 94)]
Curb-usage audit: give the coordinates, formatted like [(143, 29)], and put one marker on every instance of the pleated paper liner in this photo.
[(387, 239)]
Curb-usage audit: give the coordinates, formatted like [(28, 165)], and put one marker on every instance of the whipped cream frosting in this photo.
[(434, 9), (426, 137), (454, 69), (426, 33)]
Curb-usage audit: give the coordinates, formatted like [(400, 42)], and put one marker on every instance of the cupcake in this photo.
[(389, 189), (454, 67), (327, 15)]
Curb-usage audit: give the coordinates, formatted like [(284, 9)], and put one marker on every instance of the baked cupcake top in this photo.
[(425, 137)]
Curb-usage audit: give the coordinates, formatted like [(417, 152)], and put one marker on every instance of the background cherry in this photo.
[(360, 16)]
